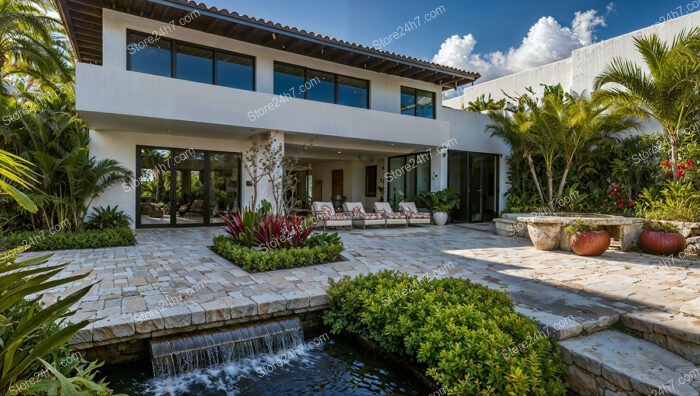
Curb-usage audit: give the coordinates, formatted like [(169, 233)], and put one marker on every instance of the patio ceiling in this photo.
[(83, 20)]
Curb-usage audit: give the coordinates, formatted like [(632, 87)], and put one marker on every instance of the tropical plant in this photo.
[(29, 43), (556, 129), (267, 231), (483, 103), (106, 218), (57, 142), (667, 93), (14, 169), (443, 201), (676, 200)]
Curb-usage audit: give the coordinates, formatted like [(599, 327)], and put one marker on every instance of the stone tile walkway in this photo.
[(170, 281)]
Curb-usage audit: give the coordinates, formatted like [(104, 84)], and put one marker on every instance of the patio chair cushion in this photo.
[(395, 215), (383, 207), (337, 217), (410, 209), (323, 210)]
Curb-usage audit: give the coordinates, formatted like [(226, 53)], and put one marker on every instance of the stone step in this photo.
[(676, 332), (614, 363)]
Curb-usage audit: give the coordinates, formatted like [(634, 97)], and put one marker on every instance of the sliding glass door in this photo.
[(475, 177), (190, 187), (409, 175)]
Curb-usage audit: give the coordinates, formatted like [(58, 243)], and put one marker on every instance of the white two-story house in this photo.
[(177, 92)]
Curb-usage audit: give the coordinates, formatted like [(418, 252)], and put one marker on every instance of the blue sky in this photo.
[(493, 25)]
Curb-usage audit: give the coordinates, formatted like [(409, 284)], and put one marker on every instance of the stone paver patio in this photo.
[(549, 286)]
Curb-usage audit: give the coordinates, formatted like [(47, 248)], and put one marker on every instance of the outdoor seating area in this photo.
[(354, 215)]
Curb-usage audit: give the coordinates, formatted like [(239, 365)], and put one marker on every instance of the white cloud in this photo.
[(546, 42)]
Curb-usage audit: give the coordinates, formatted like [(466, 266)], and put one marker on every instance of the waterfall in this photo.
[(171, 357)]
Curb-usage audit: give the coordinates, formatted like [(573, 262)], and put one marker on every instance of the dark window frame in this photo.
[(335, 82), (415, 100), (173, 58)]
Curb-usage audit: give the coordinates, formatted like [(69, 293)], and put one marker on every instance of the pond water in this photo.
[(337, 366)]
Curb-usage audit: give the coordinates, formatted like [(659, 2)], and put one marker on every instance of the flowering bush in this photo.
[(681, 169), (617, 200)]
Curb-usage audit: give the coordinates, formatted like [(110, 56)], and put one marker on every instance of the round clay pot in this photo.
[(662, 243), (440, 218), (593, 243)]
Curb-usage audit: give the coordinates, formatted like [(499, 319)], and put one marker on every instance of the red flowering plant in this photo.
[(682, 169), (617, 200)]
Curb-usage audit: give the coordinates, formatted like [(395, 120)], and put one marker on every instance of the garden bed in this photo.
[(48, 240), (260, 260)]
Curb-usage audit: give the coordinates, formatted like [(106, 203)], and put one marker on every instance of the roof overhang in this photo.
[(83, 20)]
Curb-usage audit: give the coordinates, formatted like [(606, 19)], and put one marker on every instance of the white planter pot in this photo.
[(440, 218)]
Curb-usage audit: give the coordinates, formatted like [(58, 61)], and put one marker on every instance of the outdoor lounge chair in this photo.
[(413, 215), (326, 216), (391, 217), (362, 218)]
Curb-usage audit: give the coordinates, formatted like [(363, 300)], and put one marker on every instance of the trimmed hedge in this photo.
[(90, 239), (468, 337), (253, 260)]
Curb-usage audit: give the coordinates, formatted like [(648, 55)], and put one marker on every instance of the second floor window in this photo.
[(303, 83), (170, 58), (417, 102)]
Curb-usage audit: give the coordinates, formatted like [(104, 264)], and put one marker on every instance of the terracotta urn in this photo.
[(662, 243), (592, 243)]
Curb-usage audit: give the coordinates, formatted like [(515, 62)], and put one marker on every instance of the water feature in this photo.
[(269, 359), (172, 357)]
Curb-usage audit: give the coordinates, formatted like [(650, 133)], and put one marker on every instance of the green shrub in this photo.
[(468, 337), (46, 240), (323, 238), (106, 218), (255, 260)]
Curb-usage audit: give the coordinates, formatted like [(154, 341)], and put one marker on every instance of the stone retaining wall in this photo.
[(691, 232)]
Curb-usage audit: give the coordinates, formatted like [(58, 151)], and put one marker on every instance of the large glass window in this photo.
[(321, 86), (194, 64), (409, 176), (147, 55), (186, 187), (235, 71), (353, 92), (417, 102), (408, 101), (289, 80), (303, 83)]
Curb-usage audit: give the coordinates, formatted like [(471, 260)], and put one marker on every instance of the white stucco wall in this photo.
[(578, 72)]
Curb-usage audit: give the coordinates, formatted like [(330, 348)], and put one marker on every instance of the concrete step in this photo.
[(676, 332), (613, 363)]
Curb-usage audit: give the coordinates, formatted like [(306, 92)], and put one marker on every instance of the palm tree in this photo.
[(515, 128), (668, 92), (483, 103), (32, 44)]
